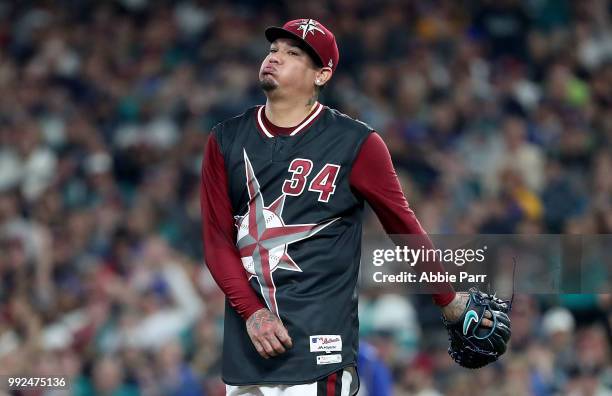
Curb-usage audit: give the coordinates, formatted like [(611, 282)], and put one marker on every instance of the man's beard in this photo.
[(267, 84)]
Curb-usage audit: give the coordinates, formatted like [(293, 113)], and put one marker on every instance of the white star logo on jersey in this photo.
[(263, 238), (308, 26)]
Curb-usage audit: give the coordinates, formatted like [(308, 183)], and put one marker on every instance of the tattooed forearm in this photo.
[(267, 333), (454, 310), (260, 318)]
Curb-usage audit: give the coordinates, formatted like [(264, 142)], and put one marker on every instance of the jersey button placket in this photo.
[(277, 148)]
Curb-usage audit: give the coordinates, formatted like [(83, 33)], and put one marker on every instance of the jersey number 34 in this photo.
[(324, 183)]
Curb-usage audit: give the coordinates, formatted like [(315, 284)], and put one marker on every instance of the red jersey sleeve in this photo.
[(219, 234), (374, 177)]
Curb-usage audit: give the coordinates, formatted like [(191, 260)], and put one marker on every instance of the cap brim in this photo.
[(274, 32)]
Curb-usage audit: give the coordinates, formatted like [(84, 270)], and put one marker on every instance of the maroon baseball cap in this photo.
[(317, 38)]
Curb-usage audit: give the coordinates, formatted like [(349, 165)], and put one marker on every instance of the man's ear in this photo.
[(323, 76)]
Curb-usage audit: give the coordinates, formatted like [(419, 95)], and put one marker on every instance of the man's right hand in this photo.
[(267, 333)]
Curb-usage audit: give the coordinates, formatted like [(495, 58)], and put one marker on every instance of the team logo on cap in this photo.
[(308, 26)]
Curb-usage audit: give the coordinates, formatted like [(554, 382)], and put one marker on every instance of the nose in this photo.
[(274, 58)]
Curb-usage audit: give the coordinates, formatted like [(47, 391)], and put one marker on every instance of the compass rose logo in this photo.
[(263, 238), (308, 26)]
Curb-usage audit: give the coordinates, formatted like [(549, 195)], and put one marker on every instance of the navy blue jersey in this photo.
[(299, 237)]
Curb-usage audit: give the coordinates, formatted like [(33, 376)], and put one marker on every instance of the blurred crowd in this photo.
[(498, 115)]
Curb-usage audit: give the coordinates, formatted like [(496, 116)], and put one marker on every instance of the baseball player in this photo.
[(282, 196)]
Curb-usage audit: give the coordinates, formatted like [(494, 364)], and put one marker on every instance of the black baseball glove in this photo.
[(471, 345)]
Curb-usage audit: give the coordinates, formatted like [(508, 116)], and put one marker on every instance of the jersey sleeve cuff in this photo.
[(246, 314), (444, 299)]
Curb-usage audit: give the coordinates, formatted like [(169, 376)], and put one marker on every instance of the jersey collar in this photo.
[(297, 129)]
